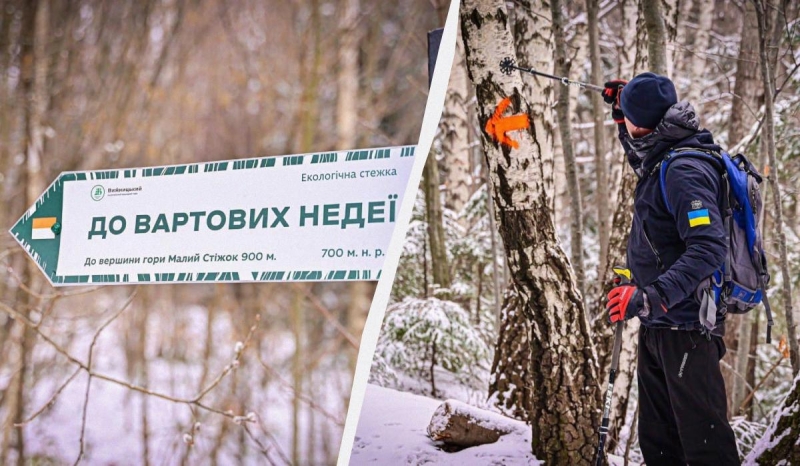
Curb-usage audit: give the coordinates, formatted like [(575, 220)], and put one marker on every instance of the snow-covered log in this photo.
[(456, 424)]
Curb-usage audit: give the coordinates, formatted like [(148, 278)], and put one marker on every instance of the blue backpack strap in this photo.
[(723, 275), (675, 154)]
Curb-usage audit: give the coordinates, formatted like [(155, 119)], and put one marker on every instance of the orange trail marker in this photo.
[(498, 125)]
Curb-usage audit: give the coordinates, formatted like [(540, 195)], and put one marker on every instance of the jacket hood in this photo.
[(680, 127)]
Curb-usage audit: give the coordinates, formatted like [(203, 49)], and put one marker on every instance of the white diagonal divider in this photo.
[(372, 328)]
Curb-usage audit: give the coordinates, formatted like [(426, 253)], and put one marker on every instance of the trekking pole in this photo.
[(623, 276), (507, 65)]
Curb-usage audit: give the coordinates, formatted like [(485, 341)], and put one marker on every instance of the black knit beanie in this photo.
[(646, 98)]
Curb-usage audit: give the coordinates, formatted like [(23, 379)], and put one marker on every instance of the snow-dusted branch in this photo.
[(194, 401), (89, 366), (301, 396), (330, 317)]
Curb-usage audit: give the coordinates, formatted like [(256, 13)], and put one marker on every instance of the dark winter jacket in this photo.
[(689, 250)]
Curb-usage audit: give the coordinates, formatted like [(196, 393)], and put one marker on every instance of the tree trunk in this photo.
[(509, 385), (495, 262), (598, 116), (682, 37), (346, 121), (780, 445), (739, 389), (751, 363), (774, 177), (433, 214), (670, 13), (562, 67), (604, 333), (455, 136), (697, 64), (657, 35), (32, 98), (298, 360), (618, 242), (747, 95), (563, 361), (627, 52), (347, 79), (747, 92)]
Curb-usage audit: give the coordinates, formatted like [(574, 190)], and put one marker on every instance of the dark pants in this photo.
[(682, 405)]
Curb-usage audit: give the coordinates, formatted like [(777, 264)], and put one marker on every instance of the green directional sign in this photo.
[(321, 217)]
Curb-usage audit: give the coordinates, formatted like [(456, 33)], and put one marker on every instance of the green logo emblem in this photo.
[(98, 192)]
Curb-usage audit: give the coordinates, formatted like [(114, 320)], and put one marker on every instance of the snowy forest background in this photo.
[(455, 327), (211, 374)]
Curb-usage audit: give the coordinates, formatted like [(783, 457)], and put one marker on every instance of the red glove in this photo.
[(611, 92), (624, 302)]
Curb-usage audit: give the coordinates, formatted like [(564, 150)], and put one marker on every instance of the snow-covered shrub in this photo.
[(747, 434), (420, 335), (381, 372), (470, 258), (412, 271)]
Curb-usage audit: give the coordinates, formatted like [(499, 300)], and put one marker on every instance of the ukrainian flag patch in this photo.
[(699, 217)]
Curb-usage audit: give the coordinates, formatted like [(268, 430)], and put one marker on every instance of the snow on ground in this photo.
[(392, 430)]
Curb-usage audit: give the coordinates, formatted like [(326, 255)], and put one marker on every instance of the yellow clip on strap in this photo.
[(622, 271)]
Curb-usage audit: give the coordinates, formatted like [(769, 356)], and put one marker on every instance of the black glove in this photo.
[(611, 96)]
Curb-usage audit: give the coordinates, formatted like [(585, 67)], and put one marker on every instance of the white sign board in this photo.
[(320, 217)]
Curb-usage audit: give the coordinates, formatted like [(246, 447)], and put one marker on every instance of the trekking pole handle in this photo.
[(622, 276)]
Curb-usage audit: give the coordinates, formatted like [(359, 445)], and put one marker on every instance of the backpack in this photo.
[(740, 283)]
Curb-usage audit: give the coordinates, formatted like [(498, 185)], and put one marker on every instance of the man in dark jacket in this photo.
[(671, 253)]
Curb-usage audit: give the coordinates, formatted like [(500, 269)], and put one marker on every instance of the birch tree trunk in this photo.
[(598, 117), (774, 177), (563, 361), (747, 93), (739, 386), (512, 362), (628, 51), (697, 64), (618, 242), (657, 35), (455, 135), (433, 214), (669, 13), (509, 386), (562, 67), (604, 335), (682, 36)]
